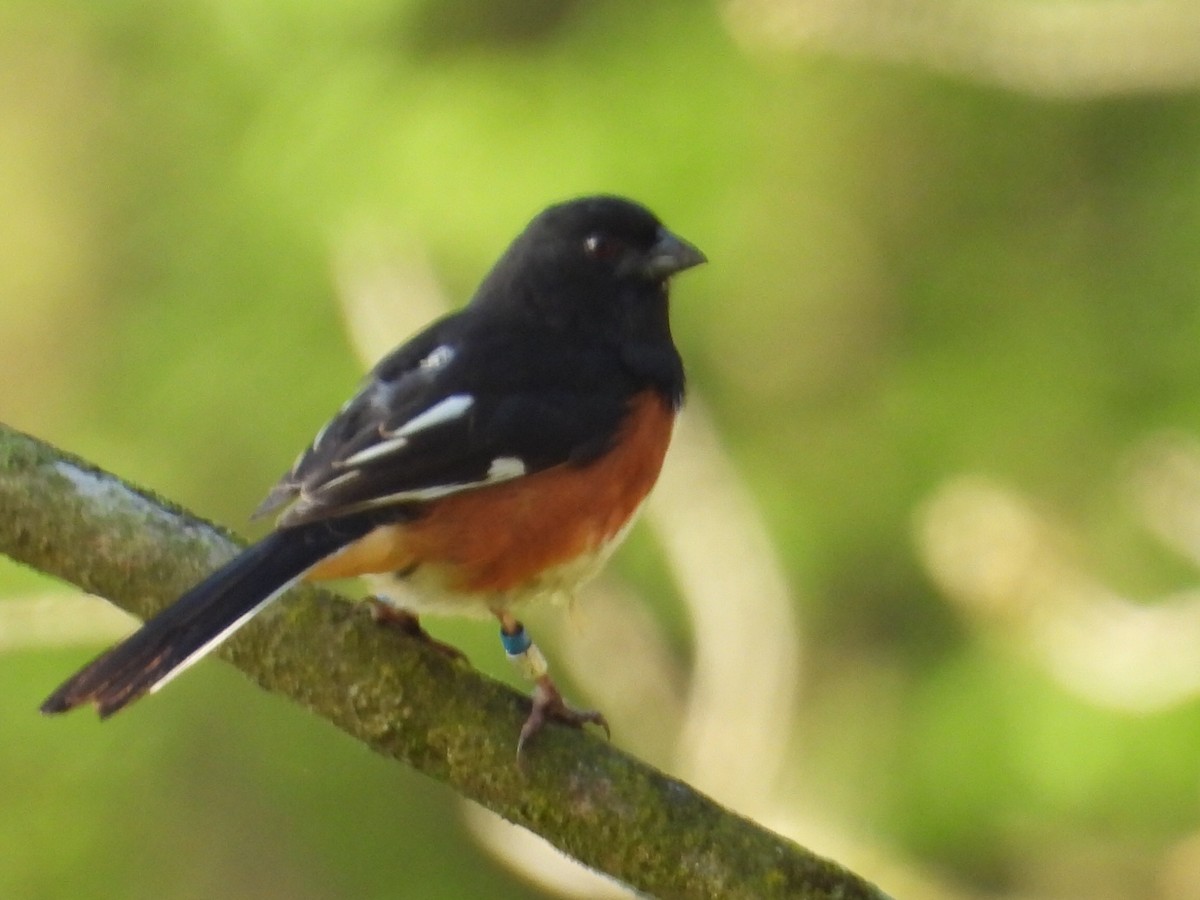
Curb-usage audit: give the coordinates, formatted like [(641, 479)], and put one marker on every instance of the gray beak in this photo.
[(669, 255)]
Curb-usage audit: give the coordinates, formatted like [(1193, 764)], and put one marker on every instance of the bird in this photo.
[(496, 458)]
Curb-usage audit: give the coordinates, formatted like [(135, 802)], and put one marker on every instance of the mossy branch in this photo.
[(69, 519)]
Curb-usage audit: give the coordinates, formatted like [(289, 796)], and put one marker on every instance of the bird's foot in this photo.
[(549, 706), (390, 616)]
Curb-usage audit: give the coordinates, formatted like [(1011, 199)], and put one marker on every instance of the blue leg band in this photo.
[(516, 643)]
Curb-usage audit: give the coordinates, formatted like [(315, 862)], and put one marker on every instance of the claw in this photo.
[(549, 706), (407, 623)]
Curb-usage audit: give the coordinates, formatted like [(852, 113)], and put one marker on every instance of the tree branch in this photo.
[(67, 518)]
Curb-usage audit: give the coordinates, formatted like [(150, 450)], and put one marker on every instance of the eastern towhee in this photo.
[(497, 457)]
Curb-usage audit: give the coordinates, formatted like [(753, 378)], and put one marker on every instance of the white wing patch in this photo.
[(383, 448), (335, 482), (453, 407), (505, 467), (438, 358), (447, 410)]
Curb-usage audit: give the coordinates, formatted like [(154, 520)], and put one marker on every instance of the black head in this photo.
[(613, 238), (590, 260)]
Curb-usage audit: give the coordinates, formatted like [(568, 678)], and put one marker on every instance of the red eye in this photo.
[(600, 246)]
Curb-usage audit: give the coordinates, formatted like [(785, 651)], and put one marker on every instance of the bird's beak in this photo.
[(671, 254)]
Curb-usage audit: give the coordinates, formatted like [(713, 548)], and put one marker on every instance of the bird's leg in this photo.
[(548, 703), (396, 617)]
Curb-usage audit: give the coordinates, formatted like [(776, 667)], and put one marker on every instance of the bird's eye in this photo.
[(601, 246)]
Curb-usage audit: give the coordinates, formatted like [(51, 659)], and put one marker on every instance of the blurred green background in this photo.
[(946, 361)]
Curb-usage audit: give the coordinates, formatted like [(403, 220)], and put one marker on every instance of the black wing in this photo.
[(464, 404)]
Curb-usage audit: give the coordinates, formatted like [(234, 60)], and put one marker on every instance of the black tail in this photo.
[(202, 618)]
